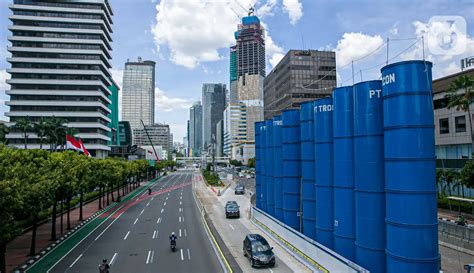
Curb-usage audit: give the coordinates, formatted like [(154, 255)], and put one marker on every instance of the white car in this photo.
[(241, 175), (248, 176)]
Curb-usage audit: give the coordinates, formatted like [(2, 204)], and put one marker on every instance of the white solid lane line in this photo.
[(231, 227), (189, 254), (142, 211), (271, 271), (148, 257), (113, 259), (108, 226), (179, 232), (75, 261), (182, 257), (180, 219), (126, 235), (136, 220)]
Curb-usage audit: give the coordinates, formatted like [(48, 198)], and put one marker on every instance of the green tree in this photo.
[(55, 132), (251, 163), (10, 202), (461, 96), (4, 130), (24, 126), (41, 128), (85, 179), (467, 173)]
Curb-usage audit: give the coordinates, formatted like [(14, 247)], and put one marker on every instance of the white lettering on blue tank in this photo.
[(387, 79), (375, 92), (323, 108), (277, 123), (263, 128)]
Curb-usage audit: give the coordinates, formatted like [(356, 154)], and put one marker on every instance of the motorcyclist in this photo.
[(104, 267), (149, 191), (173, 238)]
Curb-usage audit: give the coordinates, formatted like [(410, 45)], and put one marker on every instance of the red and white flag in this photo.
[(72, 143), (84, 150)]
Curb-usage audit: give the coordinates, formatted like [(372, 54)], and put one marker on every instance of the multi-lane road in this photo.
[(135, 238)]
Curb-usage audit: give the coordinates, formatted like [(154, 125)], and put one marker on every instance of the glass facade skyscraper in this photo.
[(195, 129), (60, 66), (138, 95), (213, 105)]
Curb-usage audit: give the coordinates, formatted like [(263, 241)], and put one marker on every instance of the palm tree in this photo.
[(24, 126), (41, 128), (463, 100), (3, 133), (55, 132)]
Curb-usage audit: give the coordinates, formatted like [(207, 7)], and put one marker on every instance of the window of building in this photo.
[(460, 124), (444, 126)]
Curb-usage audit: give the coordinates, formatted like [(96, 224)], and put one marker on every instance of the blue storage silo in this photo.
[(369, 176), (263, 170), (269, 167), (410, 169), (258, 165), (291, 168), (323, 162), (307, 169), (277, 167), (343, 141)]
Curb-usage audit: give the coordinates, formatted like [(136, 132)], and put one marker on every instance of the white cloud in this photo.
[(178, 130), (354, 46), (4, 76), (294, 9), (267, 8), (195, 30), (275, 59), (164, 103), (443, 64), (394, 31)]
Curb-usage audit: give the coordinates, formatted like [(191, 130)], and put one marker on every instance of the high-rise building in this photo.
[(138, 93), (219, 138), (125, 133), (235, 128), (60, 66), (300, 76), (232, 97), (195, 129), (159, 134), (114, 115), (213, 105), (250, 69)]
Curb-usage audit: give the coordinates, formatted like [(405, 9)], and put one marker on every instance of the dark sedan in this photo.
[(232, 211)]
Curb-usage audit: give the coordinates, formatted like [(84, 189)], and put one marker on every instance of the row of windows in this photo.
[(57, 25), (57, 98), (58, 4), (459, 125), (56, 66), (56, 45), (56, 35), (57, 77), (63, 88), (21, 108), (43, 55), (58, 14)]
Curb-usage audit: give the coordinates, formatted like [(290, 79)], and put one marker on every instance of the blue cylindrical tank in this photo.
[(269, 168), (323, 157), (369, 176), (291, 168), (343, 141), (258, 165), (277, 167), (307, 169), (410, 169), (263, 170)]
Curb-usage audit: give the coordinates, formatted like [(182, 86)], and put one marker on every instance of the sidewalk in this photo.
[(233, 231), (18, 249)]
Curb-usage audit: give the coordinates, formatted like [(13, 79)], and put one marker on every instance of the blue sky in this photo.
[(189, 40)]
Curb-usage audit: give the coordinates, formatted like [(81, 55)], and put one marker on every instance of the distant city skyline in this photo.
[(183, 64)]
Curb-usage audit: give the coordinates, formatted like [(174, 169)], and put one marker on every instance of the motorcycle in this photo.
[(173, 245)]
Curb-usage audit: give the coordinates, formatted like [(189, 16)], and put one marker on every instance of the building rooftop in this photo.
[(442, 84)]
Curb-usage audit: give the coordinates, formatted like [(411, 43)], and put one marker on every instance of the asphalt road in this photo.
[(136, 237)]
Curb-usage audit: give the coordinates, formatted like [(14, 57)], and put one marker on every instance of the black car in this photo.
[(257, 249), (232, 211), (231, 202), (239, 189)]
